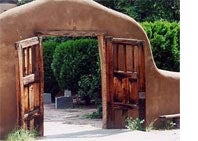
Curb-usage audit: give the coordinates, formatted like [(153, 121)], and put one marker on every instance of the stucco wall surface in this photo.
[(162, 87)]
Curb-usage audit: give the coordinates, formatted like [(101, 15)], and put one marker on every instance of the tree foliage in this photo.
[(146, 10), (21, 2), (165, 43), (142, 10)]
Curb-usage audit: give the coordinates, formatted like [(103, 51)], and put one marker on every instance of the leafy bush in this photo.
[(50, 83), (169, 125), (165, 44), (89, 86), (21, 135), (95, 115), (75, 60), (134, 124)]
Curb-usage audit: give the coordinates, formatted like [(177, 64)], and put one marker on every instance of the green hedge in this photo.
[(50, 83), (165, 43), (73, 60)]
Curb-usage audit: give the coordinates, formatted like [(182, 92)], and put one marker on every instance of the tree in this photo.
[(146, 10), (142, 10), (152, 10), (21, 2)]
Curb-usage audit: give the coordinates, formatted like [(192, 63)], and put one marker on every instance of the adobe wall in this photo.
[(162, 87)]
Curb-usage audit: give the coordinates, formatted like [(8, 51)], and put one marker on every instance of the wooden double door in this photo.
[(123, 81)]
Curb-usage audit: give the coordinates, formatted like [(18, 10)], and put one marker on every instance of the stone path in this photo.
[(71, 125)]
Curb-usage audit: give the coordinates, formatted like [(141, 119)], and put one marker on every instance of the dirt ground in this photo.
[(72, 125), (74, 116)]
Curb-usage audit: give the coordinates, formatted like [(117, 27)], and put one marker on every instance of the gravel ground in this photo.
[(71, 125)]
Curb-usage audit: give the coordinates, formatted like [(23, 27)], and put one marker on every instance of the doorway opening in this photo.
[(76, 90), (122, 66)]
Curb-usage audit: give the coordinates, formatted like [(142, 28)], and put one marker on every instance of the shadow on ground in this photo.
[(88, 134)]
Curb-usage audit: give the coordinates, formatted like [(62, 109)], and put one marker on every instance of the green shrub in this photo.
[(74, 59), (165, 43), (134, 124), (95, 115), (89, 86), (50, 83), (21, 135), (169, 125)]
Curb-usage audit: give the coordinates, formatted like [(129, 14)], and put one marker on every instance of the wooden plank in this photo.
[(25, 60), (122, 74), (132, 57), (125, 58), (135, 59), (125, 90), (118, 118), (26, 98), (115, 89), (121, 58), (28, 42), (142, 85), (18, 87), (127, 95), (123, 105), (21, 96), (134, 92), (41, 129), (31, 97), (141, 65), (117, 94), (170, 116), (129, 58), (115, 56), (31, 86), (71, 33), (109, 58), (127, 41), (29, 79), (30, 60), (31, 113), (34, 58)]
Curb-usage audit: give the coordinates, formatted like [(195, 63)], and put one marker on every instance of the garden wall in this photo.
[(162, 87)]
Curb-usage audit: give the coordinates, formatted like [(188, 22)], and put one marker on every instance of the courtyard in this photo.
[(72, 125)]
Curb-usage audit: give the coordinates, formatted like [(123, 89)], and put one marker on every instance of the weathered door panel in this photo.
[(29, 84), (125, 79)]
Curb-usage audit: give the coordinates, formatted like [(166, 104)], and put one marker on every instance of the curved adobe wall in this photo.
[(162, 87)]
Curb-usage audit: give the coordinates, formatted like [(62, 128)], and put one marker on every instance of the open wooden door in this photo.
[(123, 88), (29, 84)]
